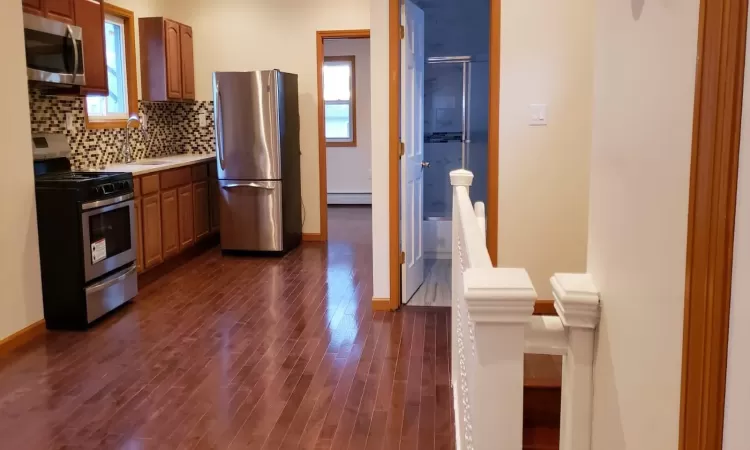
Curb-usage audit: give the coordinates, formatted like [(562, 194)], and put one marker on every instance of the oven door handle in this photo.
[(114, 279), (107, 202)]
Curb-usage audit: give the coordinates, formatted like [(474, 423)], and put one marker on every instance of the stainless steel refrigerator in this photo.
[(258, 160)]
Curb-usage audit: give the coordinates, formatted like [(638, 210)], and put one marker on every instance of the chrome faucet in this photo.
[(127, 153)]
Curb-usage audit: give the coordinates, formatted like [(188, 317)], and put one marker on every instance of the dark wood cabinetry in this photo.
[(174, 211), (185, 196), (151, 231), (90, 17), (170, 223), (33, 7), (167, 65), (62, 10)]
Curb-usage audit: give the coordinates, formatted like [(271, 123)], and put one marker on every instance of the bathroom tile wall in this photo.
[(171, 128)]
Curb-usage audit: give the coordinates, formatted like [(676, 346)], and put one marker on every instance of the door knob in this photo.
[(426, 164)]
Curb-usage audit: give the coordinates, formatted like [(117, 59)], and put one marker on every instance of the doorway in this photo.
[(343, 66), (454, 111)]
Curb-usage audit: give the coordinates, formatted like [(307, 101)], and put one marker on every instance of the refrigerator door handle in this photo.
[(246, 185), (219, 126)]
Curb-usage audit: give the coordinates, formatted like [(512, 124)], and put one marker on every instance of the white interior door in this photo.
[(412, 135)]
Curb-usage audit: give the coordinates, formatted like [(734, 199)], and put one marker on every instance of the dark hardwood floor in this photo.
[(231, 352)]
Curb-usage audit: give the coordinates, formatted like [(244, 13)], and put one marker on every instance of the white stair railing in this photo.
[(492, 328)]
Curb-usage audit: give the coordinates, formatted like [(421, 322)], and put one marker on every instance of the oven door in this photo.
[(108, 228), (54, 51)]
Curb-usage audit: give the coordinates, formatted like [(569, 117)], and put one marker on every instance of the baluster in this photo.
[(577, 304)]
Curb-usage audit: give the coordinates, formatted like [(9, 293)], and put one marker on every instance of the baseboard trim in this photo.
[(545, 308), (349, 199), (23, 336), (381, 304), (312, 237)]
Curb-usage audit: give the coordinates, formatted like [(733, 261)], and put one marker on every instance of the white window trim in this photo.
[(350, 102), (116, 116)]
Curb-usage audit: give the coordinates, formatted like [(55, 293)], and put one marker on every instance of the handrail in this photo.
[(492, 328)]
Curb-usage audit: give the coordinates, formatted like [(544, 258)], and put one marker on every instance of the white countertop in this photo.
[(141, 167)]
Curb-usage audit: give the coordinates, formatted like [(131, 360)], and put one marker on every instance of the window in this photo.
[(340, 103), (113, 110)]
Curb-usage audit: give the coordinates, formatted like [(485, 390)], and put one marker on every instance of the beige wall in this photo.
[(348, 168), (270, 34), (640, 163), (21, 298), (546, 57)]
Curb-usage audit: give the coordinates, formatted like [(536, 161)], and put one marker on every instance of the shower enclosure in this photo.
[(456, 109)]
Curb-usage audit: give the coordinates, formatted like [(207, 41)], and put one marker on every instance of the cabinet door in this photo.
[(138, 235), (62, 10), (172, 50), (170, 223), (202, 221), (90, 17), (213, 197), (33, 7), (151, 230), (188, 65), (185, 194)]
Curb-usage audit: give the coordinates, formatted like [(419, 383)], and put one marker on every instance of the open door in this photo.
[(412, 135)]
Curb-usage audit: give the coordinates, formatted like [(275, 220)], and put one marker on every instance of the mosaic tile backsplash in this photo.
[(171, 128)]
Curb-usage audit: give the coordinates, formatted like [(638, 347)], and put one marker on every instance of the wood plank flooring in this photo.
[(233, 352)]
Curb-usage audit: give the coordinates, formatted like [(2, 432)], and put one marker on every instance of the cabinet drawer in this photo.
[(137, 187), (149, 184), (175, 177), (200, 172)]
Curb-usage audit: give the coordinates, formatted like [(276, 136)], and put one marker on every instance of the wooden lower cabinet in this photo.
[(151, 230), (170, 223), (138, 235), (174, 213), (201, 214), (185, 199)]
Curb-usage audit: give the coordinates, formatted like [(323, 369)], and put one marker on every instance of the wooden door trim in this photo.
[(493, 136), (320, 37), (713, 188)]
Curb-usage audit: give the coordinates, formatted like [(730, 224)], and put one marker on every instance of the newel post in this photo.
[(577, 304), (500, 302), (458, 178)]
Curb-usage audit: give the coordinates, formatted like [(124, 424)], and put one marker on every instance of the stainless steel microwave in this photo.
[(54, 51)]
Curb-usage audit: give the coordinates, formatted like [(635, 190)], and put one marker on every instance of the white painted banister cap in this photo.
[(461, 177), (499, 295), (576, 299)]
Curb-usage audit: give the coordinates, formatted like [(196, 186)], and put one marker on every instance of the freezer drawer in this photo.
[(251, 216)]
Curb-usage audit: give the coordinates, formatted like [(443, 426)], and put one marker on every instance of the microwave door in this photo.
[(54, 51)]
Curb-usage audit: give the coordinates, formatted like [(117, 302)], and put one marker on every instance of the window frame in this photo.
[(131, 81), (352, 102)]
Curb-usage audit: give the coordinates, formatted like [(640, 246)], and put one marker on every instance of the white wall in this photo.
[(231, 35), (546, 57), (737, 403), (640, 167), (21, 299), (348, 168)]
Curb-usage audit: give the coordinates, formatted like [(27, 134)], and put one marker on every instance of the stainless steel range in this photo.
[(87, 239)]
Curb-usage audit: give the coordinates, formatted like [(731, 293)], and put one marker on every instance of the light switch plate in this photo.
[(538, 114), (202, 120), (144, 119), (68, 121)]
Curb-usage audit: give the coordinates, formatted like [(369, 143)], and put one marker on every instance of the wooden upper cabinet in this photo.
[(174, 64), (167, 67), (90, 17), (62, 10), (33, 7), (187, 63)]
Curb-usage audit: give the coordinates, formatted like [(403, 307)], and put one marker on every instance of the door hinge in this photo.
[(403, 257), (401, 149), (403, 32)]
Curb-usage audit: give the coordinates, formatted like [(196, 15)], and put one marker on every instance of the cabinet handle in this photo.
[(219, 126), (248, 185)]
